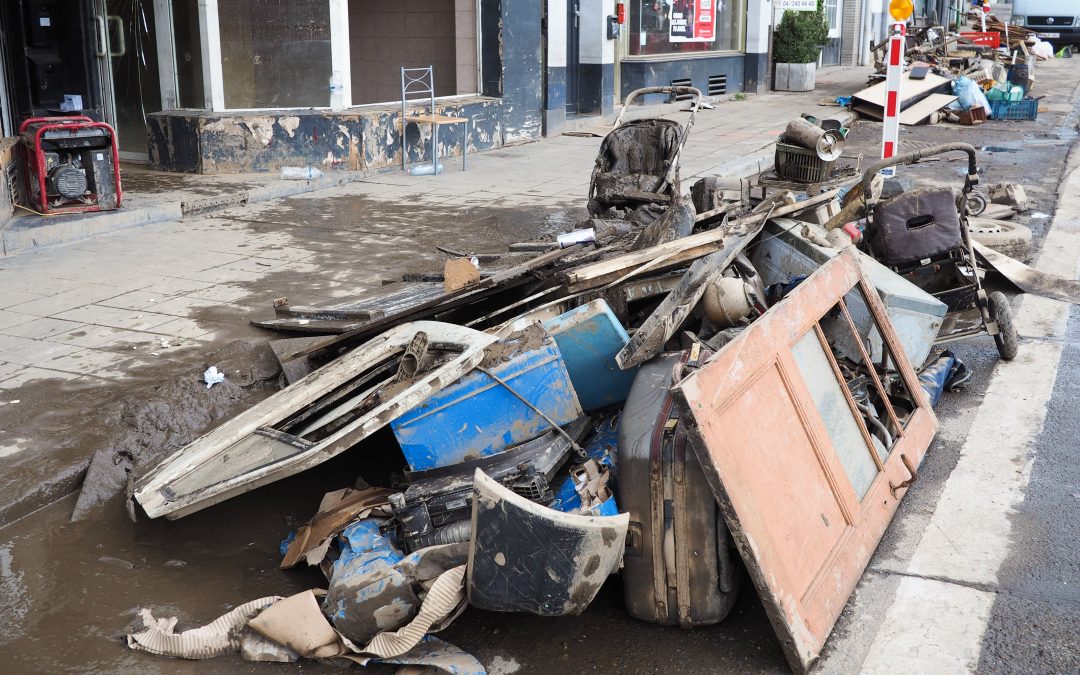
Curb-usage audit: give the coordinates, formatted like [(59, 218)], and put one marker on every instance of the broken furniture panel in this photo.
[(322, 415), (589, 337), (808, 488), (524, 557), (782, 253), (520, 388)]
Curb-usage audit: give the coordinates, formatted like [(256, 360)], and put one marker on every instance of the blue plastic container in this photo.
[(589, 337), (476, 416)]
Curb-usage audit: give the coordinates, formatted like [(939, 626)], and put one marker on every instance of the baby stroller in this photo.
[(638, 162), (923, 236)]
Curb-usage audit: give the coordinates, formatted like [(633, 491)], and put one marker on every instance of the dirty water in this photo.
[(140, 181)]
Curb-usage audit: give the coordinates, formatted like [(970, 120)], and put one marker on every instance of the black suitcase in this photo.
[(680, 566)]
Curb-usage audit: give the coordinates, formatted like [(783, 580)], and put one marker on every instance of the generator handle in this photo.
[(53, 120)]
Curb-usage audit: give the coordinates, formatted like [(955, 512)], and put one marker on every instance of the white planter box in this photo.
[(795, 76)]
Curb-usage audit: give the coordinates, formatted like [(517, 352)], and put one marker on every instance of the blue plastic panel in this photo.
[(476, 416), (589, 337)]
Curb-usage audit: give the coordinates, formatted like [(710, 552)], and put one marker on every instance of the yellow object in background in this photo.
[(901, 10)]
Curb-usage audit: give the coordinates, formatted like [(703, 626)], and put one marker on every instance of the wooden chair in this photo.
[(418, 84)]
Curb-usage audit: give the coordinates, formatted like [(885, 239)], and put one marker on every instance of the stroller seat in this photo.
[(917, 225), (633, 163)]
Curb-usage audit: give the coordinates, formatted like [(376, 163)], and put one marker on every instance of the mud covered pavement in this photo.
[(74, 571)]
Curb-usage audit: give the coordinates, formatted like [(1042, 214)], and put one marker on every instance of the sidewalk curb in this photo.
[(15, 240)]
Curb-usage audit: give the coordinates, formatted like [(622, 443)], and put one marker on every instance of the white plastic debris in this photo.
[(213, 376), (300, 173), (576, 237)]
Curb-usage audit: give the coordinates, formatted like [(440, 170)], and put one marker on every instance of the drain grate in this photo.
[(207, 204), (717, 85), (682, 83)]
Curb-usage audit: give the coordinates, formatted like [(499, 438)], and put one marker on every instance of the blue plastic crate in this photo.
[(1028, 109)]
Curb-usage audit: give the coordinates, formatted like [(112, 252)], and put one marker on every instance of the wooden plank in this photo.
[(649, 339), (674, 253), (910, 90), (439, 304), (918, 112)]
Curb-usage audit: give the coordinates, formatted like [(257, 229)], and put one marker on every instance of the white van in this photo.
[(1056, 21)]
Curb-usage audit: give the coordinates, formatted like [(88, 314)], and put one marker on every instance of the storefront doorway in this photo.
[(573, 31), (834, 15), (127, 60), (93, 57)]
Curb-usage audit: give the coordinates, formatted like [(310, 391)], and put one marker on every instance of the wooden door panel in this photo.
[(806, 490)]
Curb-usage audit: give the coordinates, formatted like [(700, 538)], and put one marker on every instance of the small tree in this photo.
[(800, 36)]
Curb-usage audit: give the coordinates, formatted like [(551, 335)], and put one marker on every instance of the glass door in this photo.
[(830, 53), (127, 56)]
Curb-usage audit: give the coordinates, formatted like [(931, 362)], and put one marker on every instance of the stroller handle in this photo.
[(692, 91), (912, 157)]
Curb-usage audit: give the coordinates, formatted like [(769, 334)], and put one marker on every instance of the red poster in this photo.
[(692, 21)]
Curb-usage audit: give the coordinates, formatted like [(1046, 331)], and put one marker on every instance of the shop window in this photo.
[(275, 53), (659, 27), (187, 45), (386, 36)]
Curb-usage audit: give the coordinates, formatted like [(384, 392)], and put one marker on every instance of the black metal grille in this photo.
[(1065, 21), (682, 83), (717, 85)]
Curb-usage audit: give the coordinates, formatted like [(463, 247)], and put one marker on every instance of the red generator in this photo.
[(72, 165)]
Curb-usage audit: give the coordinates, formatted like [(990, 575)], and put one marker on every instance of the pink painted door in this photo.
[(807, 449)]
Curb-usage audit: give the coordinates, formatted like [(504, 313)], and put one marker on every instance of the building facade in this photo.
[(245, 85)]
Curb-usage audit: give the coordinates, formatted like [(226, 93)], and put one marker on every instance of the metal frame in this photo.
[(421, 82)]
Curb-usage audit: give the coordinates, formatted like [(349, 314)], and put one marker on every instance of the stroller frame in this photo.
[(931, 273), (668, 187)]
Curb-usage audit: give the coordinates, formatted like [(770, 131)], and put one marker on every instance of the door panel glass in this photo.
[(132, 49), (831, 402)]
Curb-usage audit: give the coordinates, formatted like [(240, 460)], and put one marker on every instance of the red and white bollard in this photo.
[(894, 71)]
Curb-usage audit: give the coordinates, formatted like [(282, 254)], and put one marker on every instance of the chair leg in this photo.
[(434, 149), (464, 144)]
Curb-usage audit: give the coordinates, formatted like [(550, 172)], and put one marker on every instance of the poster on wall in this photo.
[(692, 20)]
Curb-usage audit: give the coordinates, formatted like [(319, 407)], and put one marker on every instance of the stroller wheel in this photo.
[(1007, 340), (976, 204)]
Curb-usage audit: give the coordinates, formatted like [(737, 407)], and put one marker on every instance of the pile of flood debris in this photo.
[(963, 75), (681, 388)]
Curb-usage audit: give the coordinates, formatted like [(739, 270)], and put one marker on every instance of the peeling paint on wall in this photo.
[(289, 124), (262, 129)]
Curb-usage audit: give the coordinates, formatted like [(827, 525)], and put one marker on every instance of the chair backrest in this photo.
[(417, 84)]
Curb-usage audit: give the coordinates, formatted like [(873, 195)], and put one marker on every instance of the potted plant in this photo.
[(797, 45)]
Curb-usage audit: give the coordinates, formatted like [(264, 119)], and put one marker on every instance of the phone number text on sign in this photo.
[(798, 5)]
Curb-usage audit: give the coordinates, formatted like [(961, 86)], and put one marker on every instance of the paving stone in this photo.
[(42, 328), (131, 319)]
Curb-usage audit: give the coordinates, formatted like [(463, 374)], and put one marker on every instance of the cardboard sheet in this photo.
[(218, 637), (336, 511), (918, 112)]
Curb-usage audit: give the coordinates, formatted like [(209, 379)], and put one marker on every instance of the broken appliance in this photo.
[(72, 165)]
